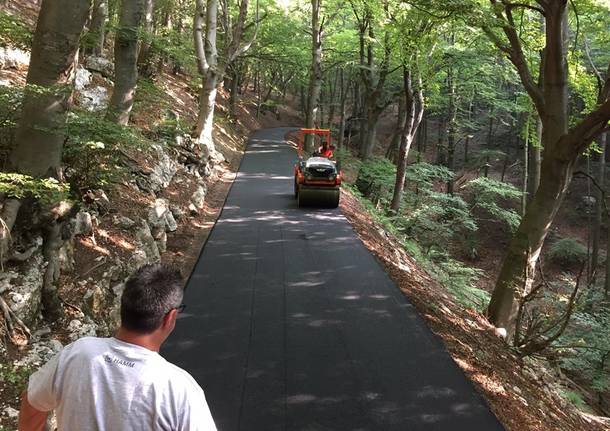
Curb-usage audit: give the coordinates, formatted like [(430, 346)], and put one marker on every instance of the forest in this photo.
[(473, 133)]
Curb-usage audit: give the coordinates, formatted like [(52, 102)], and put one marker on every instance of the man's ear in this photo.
[(170, 318)]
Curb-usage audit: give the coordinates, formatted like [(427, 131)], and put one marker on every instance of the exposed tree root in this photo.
[(12, 321), (10, 209)]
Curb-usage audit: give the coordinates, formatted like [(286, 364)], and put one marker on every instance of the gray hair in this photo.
[(149, 295)]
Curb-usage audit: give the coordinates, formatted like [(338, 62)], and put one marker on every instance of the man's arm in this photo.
[(30, 419)]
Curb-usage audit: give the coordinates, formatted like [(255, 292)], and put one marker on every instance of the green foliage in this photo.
[(437, 219), (14, 32), (20, 186), (92, 153), (585, 345), (11, 99), (376, 179), (484, 158), (149, 95), (460, 280), (13, 380), (485, 193), (575, 398), (568, 252), (425, 175)]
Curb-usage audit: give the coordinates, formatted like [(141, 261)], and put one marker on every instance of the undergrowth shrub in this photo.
[(93, 151), (11, 99), (568, 252), (424, 176), (19, 186), (376, 179), (584, 347), (14, 32), (487, 194), (459, 280), (436, 221)]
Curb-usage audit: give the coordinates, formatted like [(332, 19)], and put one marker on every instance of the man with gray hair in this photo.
[(122, 383)]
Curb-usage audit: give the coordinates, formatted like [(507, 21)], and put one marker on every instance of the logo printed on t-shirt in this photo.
[(112, 360)]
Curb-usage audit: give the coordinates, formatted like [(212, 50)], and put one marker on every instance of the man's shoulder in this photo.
[(179, 379), (86, 344)]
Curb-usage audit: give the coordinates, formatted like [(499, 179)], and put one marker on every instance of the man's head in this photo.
[(151, 299)]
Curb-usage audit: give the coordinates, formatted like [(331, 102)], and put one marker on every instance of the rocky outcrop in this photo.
[(100, 65), (21, 287)]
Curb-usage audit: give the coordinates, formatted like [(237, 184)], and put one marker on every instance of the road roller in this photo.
[(317, 180)]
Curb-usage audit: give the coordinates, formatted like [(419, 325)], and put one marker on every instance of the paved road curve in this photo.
[(291, 324)]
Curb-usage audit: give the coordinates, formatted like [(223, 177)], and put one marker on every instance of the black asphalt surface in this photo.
[(291, 324)]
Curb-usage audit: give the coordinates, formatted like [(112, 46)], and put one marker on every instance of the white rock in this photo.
[(147, 244), (82, 78), (11, 412), (163, 172), (198, 198), (177, 212), (123, 222), (170, 222), (11, 58), (84, 224), (101, 65), (94, 99), (157, 212)]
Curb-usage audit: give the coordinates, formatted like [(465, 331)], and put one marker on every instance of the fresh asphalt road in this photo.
[(291, 324)]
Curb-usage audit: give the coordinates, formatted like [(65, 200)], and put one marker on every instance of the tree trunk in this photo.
[(331, 100), (144, 55), (39, 137), (126, 61), (440, 153), (315, 77), (469, 131), (561, 149), (452, 130), (394, 147), (207, 58), (414, 106), (98, 27), (518, 268), (599, 204), (233, 90), (343, 98), (526, 151), (534, 163)]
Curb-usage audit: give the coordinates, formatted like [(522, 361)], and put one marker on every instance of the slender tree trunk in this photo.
[(467, 141), (343, 98), (315, 76), (599, 204), (526, 151), (534, 163), (207, 60), (233, 90), (440, 153), (394, 147), (414, 106), (452, 130), (126, 61), (331, 101), (148, 27), (98, 27), (490, 137)]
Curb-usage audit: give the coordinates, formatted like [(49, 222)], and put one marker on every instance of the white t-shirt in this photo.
[(104, 384)]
